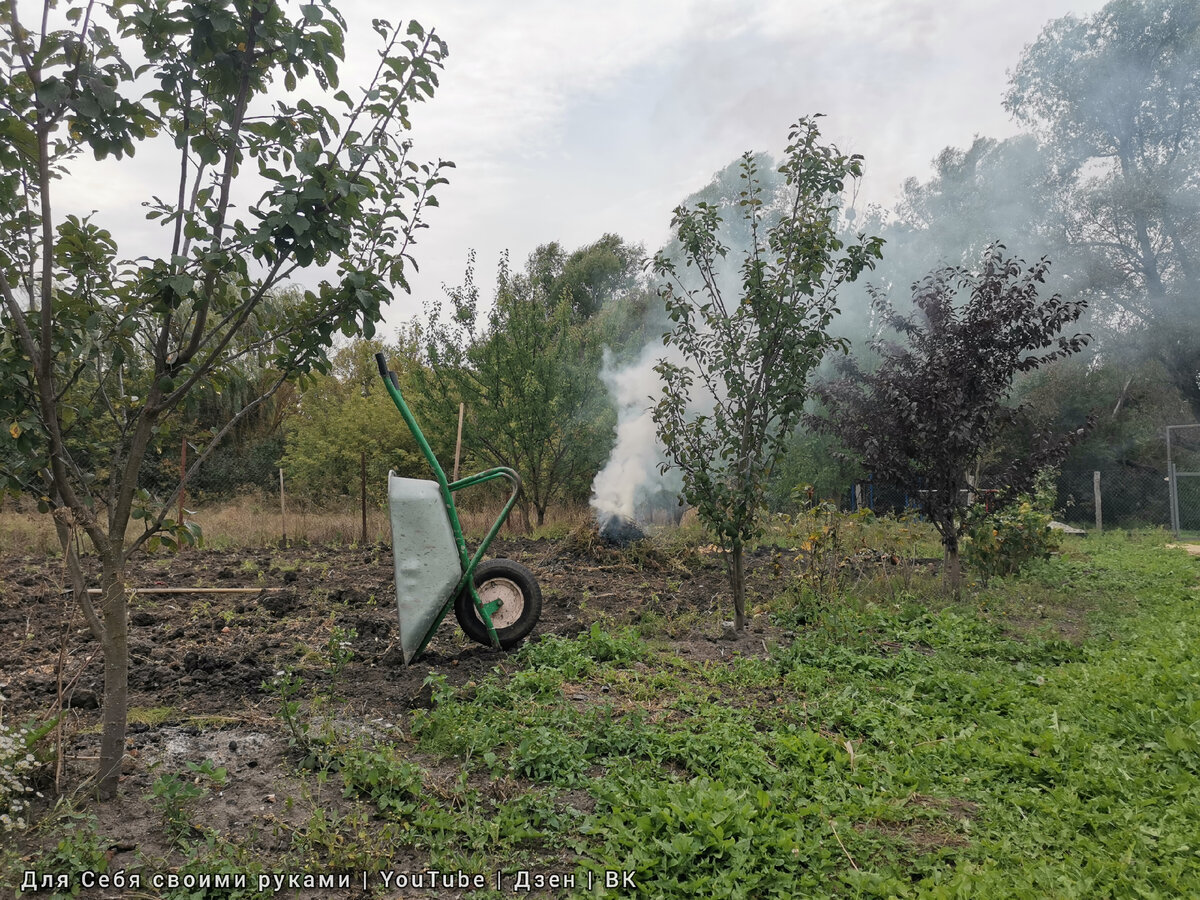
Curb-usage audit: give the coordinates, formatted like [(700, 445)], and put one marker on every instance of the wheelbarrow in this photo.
[(497, 602)]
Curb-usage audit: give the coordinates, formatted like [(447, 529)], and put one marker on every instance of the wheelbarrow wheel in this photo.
[(520, 603)]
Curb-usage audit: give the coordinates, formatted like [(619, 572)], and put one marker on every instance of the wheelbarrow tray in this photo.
[(428, 563)]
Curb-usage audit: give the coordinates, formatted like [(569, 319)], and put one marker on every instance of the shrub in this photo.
[(1000, 542)]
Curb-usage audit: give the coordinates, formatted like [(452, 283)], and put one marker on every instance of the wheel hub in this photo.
[(508, 594)]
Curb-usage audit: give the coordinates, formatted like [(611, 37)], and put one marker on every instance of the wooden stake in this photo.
[(458, 443), (193, 590), (364, 496), (182, 478), (282, 511)]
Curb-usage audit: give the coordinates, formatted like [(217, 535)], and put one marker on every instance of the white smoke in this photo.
[(632, 472)]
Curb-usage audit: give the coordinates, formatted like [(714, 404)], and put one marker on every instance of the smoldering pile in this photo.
[(617, 530)]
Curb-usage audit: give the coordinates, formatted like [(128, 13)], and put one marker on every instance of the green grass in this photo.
[(917, 753)]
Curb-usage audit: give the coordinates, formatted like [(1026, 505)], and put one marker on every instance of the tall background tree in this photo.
[(1115, 101), (744, 356), (528, 368), (99, 351), (335, 425)]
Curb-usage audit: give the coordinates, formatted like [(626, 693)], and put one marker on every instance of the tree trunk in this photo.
[(522, 510), (541, 515), (116, 675), (951, 568), (737, 581)]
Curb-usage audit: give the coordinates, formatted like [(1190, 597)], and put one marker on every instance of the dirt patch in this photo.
[(1193, 549), (936, 823)]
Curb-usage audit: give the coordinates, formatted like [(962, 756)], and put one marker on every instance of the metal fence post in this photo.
[(1096, 495), (1173, 488)]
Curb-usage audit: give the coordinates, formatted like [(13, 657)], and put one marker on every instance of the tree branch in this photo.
[(194, 468)]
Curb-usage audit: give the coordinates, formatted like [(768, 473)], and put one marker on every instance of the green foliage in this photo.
[(703, 838), (338, 650), (1113, 99), (338, 419), (908, 752), (590, 277), (383, 776), (528, 375), (1000, 542), (573, 658), (809, 470), (81, 848), (303, 738), (752, 356), (543, 753), (174, 796)]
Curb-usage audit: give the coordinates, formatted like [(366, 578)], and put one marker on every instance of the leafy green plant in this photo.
[(311, 745), (338, 650), (81, 847), (1000, 542), (701, 837), (547, 754), (575, 658), (174, 796), (381, 775), (613, 647), (287, 685)]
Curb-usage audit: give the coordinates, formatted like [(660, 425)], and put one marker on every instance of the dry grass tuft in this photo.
[(254, 520), (26, 531)]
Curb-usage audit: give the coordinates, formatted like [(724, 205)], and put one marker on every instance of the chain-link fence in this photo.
[(1127, 497), (1183, 477)]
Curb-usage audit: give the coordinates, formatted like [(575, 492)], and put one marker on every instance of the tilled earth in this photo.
[(201, 662)]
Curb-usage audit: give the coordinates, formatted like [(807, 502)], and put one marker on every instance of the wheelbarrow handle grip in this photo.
[(383, 370)]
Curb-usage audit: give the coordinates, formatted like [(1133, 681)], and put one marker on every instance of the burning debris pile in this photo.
[(617, 530), (630, 488)]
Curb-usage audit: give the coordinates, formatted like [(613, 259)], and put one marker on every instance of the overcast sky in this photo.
[(569, 120)]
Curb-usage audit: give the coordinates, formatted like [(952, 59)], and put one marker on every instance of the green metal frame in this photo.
[(447, 489)]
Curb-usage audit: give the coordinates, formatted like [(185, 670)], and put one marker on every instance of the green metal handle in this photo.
[(481, 478)]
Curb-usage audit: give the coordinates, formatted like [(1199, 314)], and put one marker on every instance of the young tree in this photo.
[(924, 416), (752, 353), (103, 351), (336, 419), (529, 379)]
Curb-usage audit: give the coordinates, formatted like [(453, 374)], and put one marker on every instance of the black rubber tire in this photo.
[(506, 577)]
